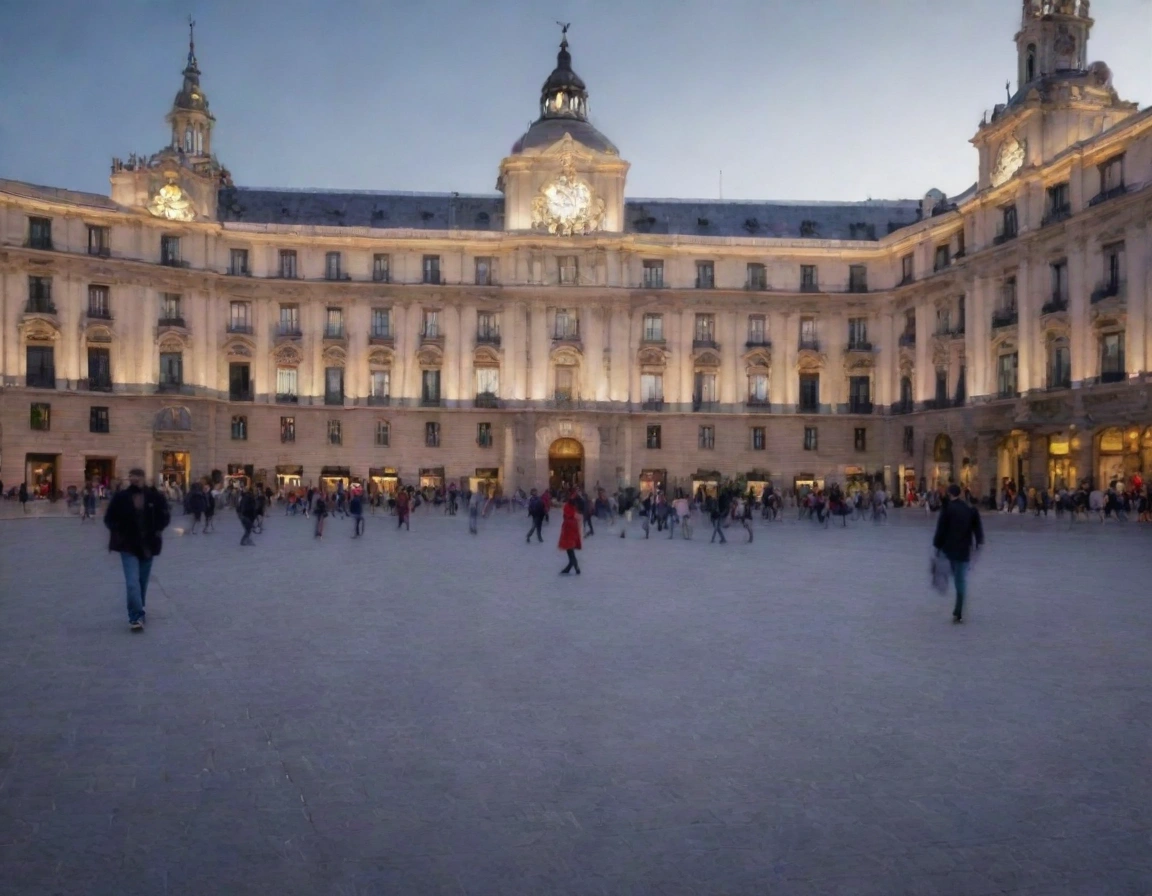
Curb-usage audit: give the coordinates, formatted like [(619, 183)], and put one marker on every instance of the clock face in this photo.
[(1008, 161), (171, 204), (567, 201)]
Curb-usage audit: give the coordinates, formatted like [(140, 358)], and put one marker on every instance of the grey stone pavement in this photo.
[(426, 712)]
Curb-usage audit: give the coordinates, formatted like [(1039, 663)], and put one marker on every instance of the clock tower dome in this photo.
[(563, 177)]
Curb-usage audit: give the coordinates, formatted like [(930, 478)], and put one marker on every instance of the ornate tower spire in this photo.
[(190, 119), (564, 94), (1053, 38)]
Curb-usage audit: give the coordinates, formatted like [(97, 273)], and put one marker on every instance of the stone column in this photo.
[(450, 317), (1028, 286), (465, 354), (978, 337), (887, 369), (592, 335), (1078, 312), (1137, 248), (986, 471), (402, 355), (687, 333), (924, 384), (622, 354), (509, 475), (356, 326), (538, 363), (514, 343), (731, 347)]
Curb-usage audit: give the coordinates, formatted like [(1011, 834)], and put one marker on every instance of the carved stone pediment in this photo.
[(757, 359), (652, 356), (808, 360), (240, 348), (334, 356), (430, 357), (380, 357), (907, 358), (706, 358), (486, 356), (173, 342), (1004, 339), (288, 355), (40, 329), (568, 355), (1108, 318), (98, 333), (1055, 322)]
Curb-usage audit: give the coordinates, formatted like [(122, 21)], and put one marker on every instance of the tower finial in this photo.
[(191, 40), (564, 26)]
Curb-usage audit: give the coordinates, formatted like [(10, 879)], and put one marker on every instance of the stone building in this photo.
[(560, 329)]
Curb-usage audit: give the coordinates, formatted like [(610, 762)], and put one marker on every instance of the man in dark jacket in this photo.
[(247, 512), (956, 530), (536, 512), (135, 518)]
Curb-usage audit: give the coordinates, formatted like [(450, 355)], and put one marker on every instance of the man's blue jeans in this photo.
[(960, 577), (136, 572)]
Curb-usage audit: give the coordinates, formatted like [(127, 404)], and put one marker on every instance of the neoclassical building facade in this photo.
[(561, 330)]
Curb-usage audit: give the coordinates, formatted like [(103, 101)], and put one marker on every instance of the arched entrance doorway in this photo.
[(565, 464), (942, 461)]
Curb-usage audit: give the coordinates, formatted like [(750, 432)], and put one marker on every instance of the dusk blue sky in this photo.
[(819, 99)]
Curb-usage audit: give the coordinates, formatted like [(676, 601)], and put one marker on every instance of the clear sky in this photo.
[(807, 99)]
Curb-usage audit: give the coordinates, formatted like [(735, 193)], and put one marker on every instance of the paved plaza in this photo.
[(427, 712)]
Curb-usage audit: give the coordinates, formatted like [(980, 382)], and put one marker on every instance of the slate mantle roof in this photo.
[(56, 194)]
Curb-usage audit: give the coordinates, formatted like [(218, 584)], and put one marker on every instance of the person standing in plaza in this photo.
[(246, 509), (23, 496), (88, 501), (403, 508), (570, 539), (319, 510), (356, 505), (957, 529), (135, 518), (195, 505), (209, 510), (536, 514), (475, 503)]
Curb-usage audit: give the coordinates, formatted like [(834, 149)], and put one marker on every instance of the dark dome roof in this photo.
[(548, 131)]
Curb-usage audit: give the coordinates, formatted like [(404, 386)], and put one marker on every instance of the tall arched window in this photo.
[(188, 139), (1030, 64), (906, 393)]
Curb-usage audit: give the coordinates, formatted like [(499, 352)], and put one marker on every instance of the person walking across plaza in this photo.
[(209, 510), (403, 509), (319, 510), (957, 529), (196, 505), (246, 510), (135, 518), (536, 514), (23, 496), (356, 505), (88, 502), (475, 503), (570, 539)]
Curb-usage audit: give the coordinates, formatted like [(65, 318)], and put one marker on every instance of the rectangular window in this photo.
[(288, 263), (40, 295), (431, 435), (171, 313), (99, 370), (961, 304), (860, 439), (98, 305), (380, 386), (652, 437), (1112, 358), (99, 241), (430, 387), (1112, 177), (430, 324), (705, 275), (859, 395), (858, 334), (383, 434), (652, 390), (334, 323), (758, 438), (909, 440), (961, 389), (484, 435), (335, 433), (286, 379), (381, 267), (381, 323), (1006, 366), (40, 416), (170, 250), (705, 329), (943, 258), (238, 263), (943, 321), (757, 329), (287, 429), (1059, 273), (569, 270), (707, 437), (1059, 203), (332, 269), (808, 280), (333, 385), (756, 276), (289, 320), (653, 273), (808, 338), (566, 325), (705, 392), (240, 381), (857, 278), (1060, 367), (239, 429), (487, 382), (484, 271), (810, 443), (487, 328), (98, 420), (758, 389), (906, 269), (1008, 295), (565, 383), (809, 392), (431, 268), (941, 388), (239, 317), (653, 327), (171, 370), (1007, 224), (1113, 267)]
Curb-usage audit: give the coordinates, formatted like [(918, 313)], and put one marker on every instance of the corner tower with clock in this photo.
[(563, 176), (1060, 99), (181, 181)]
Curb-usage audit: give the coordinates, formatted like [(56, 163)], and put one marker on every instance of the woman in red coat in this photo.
[(570, 535)]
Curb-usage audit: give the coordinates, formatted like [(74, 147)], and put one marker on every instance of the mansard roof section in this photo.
[(57, 195), (362, 208), (869, 220)]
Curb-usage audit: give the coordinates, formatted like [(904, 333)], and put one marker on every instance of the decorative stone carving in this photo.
[(172, 419), (810, 361), (239, 348), (334, 356), (651, 356), (380, 357), (172, 342), (288, 355), (566, 205), (486, 356), (430, 357), (758, 359), (706, 358), (98, 335), (171, 204), (566, 355), (38, 329)]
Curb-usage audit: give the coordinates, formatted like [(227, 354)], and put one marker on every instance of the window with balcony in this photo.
[(758, 389), (238, 263), (286, 385), (569, 270), (1058, 205), (759, 438), (335, 433), (808, 279), (653, 327), (239, 317), (652, 437), (705, 275), (757, 330), (40, 233), (704, 333), (431, 435), (381, 267), (98, 305), (334, 385), (171, 309), (380, 387), (289, 322), (943, 258), (171, 370), (41, 367), (943, 321), (706, 438), (908, 440), (431, 269), (1005, 313), (487, 386), (1111, 179), (756, 277), (859, 395), (809, 393), (40, 416), (381, 323), (334, 323), (705, 391), (961, 394), (40, 296), (1059, 364), (941, 387), (1058, 274), (332, 266), (653, 273), (808, 338), (1113, 269), (487, 328), (170, 251), (907, 269), (858, 335), (857, 278), (383, 434), (1006, 369), (430, 324), (1112, 358), (565, 390), (288, 268), (240, 381), (99, 241), (239, 428), (810, 440), (905, 404), (98, 420), (484, 268), (652, 391), (287, 429), (484, 435), (99, 369), (1007, 229), (961, 249), (430, 388), (566, 325)]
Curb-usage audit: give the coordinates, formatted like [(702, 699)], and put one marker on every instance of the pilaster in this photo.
[(1137, 248)]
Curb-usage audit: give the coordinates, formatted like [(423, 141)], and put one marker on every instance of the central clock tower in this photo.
[(563, 177)]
